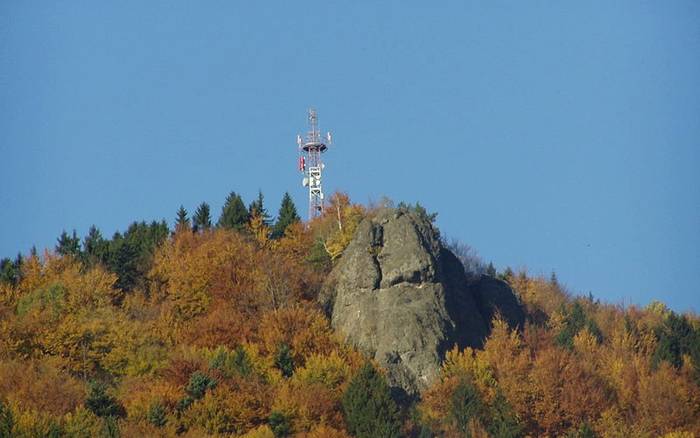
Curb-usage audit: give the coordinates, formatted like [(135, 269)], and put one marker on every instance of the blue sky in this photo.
[(549, 135)]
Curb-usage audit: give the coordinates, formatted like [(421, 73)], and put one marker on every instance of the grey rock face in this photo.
[(493, 297), (403, 300)]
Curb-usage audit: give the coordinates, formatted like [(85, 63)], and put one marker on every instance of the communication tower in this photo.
[(311, 146)]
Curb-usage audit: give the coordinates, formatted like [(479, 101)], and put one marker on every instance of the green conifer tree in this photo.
[(182, 222), (368, 407), (131, 254), (6, 421), (257, 208), (10, 272), (279, 423), (201, 221), (284, 361), (465, 405), (286, 216), (95, 248), (68, 245), (234, 215), (501, 419), (101, 403)]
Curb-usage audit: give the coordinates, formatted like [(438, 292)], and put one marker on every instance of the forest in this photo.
[(212, 328)]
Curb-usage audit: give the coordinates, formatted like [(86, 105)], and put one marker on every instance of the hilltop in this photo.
[(259, 328)]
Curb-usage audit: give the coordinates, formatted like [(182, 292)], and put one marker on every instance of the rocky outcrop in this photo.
[(402, 298), (493, 297)]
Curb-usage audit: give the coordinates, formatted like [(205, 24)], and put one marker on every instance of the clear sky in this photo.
[(549, 135)]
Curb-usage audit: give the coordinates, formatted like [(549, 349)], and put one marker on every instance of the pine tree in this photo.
[(156, 415), (234, 215), (182, 222), (287, 216), (368, 407), (95, 247), (279, 423), (465, 405), (257, 208), (6, 421), (68, 245), (101, 403), (502, 421), (11, 271), (131, 254), (284, 361), (201, 221), (676, 338), (199, 384)]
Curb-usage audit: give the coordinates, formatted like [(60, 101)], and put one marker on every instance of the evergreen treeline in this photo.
[(129, 255), (212, 329)]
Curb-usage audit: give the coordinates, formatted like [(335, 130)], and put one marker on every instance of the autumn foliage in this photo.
[(215, 331)]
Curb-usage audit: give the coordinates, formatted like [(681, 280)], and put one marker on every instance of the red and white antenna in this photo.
[(311, 146)]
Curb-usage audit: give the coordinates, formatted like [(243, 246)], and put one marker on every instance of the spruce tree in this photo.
[(68, 245), (287, 216), (234, 215), (101, 403), (182, 222), (7, 271), (465, 405), (677, 338), (6, 421), (11, 272), (501, 419), (131, 254), (284, 360), (368, 408), (95, 248), (201, 221), (257, 208), (280, 424)]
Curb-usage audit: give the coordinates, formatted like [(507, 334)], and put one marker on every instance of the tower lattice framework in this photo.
[(311, 146)]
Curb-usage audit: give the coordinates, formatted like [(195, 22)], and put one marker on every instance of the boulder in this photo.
[(403, 299)]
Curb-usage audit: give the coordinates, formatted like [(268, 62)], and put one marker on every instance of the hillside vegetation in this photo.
[(213, 329)]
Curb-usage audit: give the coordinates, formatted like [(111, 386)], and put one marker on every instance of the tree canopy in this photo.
[(201, 221), (219, 333), (234, 215), (287, 215)]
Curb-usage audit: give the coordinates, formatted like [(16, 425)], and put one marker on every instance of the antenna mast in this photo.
[(311, 146)]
